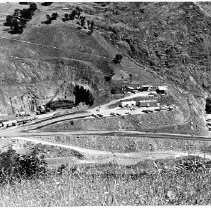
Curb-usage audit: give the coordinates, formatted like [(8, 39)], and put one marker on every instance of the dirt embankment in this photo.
[(129, 122)]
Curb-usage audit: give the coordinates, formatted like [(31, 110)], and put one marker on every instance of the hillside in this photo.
[(161, 43)]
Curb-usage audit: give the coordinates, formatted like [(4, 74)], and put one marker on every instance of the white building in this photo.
[(162, 90), (149, 103), (128, 103)]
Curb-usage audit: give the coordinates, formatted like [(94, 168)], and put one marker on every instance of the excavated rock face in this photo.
[(56, 83)]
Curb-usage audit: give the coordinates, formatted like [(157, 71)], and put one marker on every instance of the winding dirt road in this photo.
[(99, 157)]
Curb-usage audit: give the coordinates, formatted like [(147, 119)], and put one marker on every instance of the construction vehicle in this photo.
[(42, 110)]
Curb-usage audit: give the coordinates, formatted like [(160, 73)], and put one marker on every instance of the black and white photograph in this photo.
[(105, 103)]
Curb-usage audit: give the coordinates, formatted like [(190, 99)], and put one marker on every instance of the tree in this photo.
[(130, 75), (8, 20), (16, 12), (33, 6), (72, 15), (78, 12), (26, 14), (48, 21), (82, 21), (54, 16), (117, 59), (92, 26), (208, 106), (16, 25)]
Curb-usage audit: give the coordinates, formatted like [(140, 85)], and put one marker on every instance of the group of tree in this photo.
[(15, 167), (76, 13), (50, 18), (18, 20), (46, 3)]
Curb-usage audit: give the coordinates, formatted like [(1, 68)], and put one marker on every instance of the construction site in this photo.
[(105, 103)]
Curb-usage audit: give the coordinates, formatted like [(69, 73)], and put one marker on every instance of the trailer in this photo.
[(127, 103), (147, 103)]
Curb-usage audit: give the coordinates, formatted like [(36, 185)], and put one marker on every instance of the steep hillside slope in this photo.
[(173, 39)]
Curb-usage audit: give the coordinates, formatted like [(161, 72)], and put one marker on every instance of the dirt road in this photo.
[(97, 156)]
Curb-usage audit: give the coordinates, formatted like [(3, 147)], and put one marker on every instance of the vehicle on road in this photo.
[(94, 115), (170, 108), (147, 111), (100, 115)]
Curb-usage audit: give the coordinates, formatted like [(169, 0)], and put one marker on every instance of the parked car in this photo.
[(170, 108), (164, 107), (147, 111), (100, 115)]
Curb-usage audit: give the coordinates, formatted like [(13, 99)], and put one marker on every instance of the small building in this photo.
[(162, 90), (149, 103), (146, 87), (130, 88), (9, 123), (127, 103)]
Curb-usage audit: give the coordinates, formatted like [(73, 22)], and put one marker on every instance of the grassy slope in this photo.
[(148, 183)]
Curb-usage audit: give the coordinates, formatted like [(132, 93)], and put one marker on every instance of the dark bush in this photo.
[(117, 59), (16, 167)]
